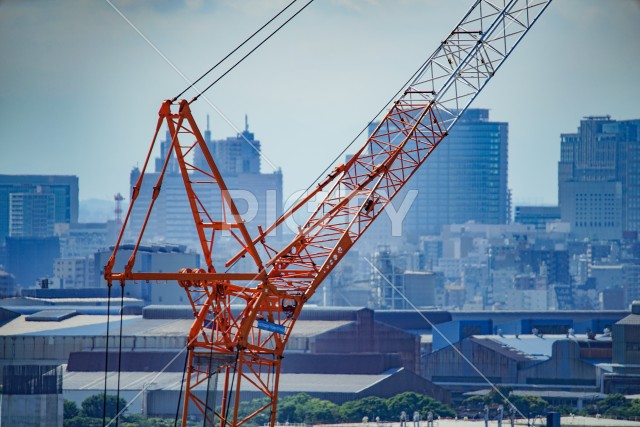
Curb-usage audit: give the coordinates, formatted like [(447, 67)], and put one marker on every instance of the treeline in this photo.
[(613, 405), (302, 408), (90, 414), (299, 408)]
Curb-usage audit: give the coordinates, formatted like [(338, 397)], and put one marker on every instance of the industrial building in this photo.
[(337, 354), (623, 375)]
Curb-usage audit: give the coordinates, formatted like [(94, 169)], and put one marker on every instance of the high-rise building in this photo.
[(599, 178), (464, 179), (31, 214), (258, 196), (235, 155), (64, 190)]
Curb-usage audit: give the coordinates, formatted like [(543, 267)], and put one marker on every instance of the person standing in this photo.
[(512, 415), (486, 416)]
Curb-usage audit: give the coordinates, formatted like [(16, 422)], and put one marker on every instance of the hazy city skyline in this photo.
[(81, 89)]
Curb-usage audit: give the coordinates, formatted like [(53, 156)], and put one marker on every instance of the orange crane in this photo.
[(245, 346)]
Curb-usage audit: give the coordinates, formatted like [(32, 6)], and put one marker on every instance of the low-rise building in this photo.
[(562, 362)]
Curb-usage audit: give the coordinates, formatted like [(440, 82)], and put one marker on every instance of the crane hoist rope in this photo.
[(238, 62), (244, 343)]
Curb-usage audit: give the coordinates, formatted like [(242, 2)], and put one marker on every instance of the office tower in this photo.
[(31, 214), (64, 190), (464, 179), (234, 155), (599, 178), (258, 196)]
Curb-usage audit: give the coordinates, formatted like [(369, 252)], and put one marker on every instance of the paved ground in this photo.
[(565, 422)]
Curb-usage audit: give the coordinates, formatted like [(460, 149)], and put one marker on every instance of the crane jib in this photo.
[(245, 318)]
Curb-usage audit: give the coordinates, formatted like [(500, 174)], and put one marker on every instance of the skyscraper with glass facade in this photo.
[(464, 179)]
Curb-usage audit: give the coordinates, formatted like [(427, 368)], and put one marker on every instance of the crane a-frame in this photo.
[(245, 346)]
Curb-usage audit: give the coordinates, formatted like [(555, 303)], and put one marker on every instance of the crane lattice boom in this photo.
[(245, 347)]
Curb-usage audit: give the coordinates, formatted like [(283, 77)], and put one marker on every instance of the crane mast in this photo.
[(244, 345)]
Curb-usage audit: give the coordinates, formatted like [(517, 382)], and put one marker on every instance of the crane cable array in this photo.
[(119, 411), (238, 62)]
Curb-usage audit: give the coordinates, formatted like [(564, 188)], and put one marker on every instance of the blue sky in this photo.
[(80, 89)]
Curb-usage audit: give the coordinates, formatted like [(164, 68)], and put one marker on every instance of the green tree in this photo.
[(497, 396), (493, 399), (302, 408), (474, 403), (529, 405), (410, 401), (289, 408), (138, 420), (93, 406), (247, 408), (614, 404), (82, 421), (372, 407), (634, 408), (70, 409), (320, 411)]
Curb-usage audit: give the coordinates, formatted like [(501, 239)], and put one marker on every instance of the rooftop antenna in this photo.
[(118, 210), (246, 122)]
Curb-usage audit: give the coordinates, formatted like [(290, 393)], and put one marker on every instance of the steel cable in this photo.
[(233, 51), (251, 51)]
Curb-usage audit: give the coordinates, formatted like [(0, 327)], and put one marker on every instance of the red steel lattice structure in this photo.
[(245, 347)]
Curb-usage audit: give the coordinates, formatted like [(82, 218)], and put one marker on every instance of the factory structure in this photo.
[(337, 354)]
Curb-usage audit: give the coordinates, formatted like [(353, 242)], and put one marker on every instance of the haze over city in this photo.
[(81, 88), (495, 279)]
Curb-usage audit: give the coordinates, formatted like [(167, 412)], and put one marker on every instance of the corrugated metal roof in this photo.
[(309, 328), (83, 325), (79, 300), (51, 315), (632, 319), (310, 383), (157, 327), (80, 325), (81, 309), (532, 346), (525, 346)]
